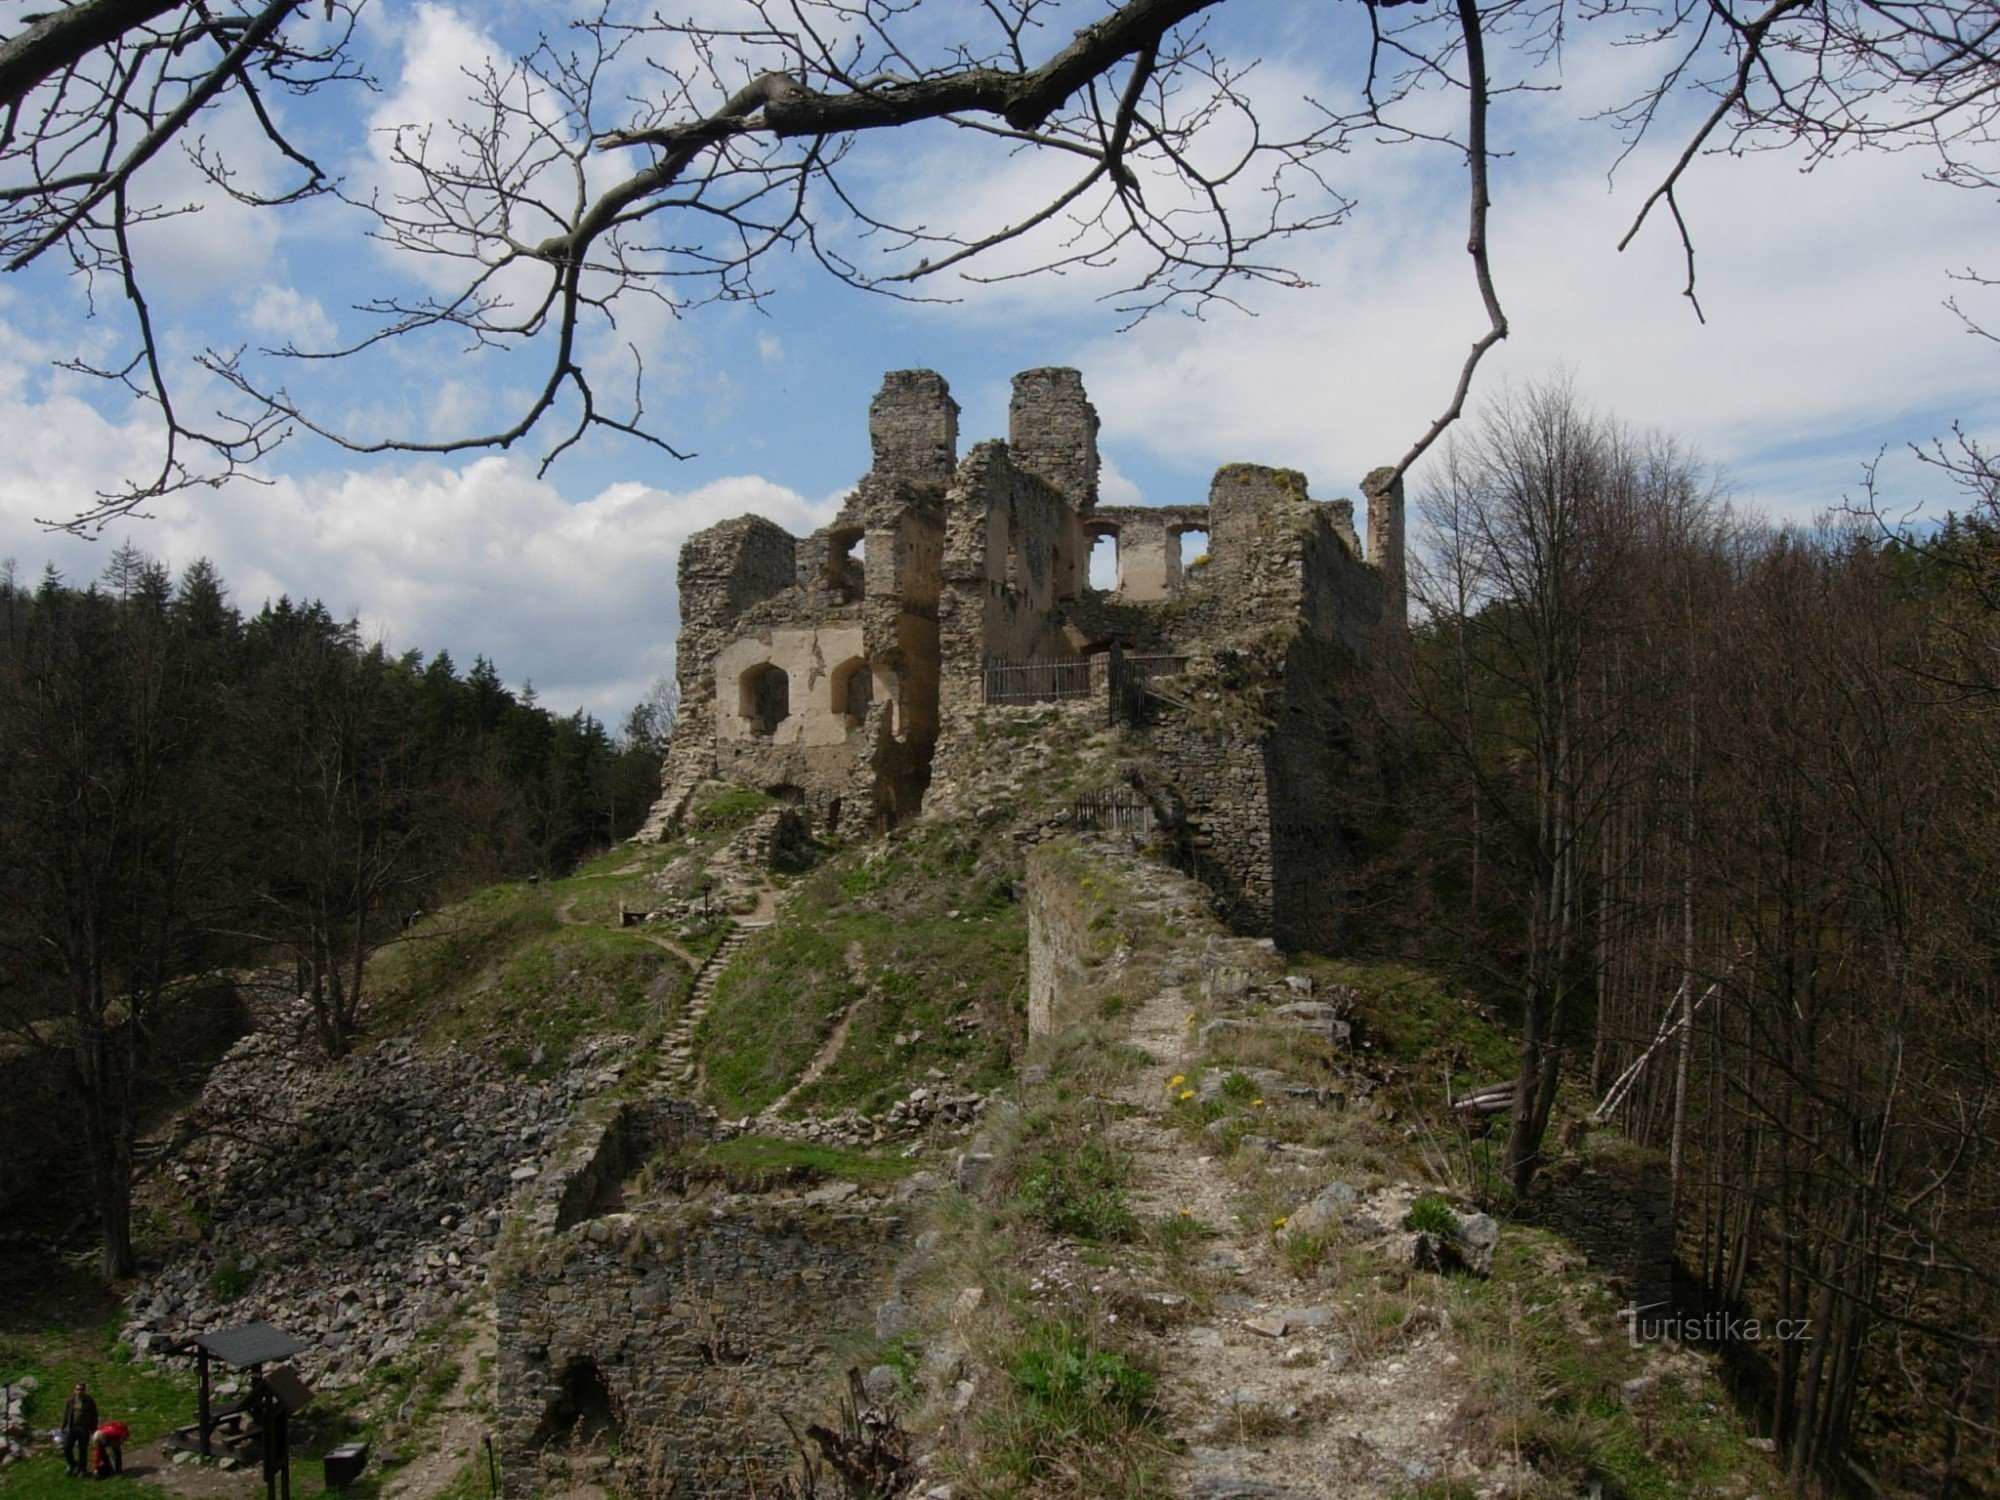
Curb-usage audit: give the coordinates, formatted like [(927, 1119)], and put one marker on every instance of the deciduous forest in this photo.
[(1707, 807)]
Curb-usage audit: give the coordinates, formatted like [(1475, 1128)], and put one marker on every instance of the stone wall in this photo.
[(913, 426), (1149, 547), (1220, 778), (1105, 922), (667, 1343), (1052, 431), (1614, 1202), (1006, 533), (1386, 543)]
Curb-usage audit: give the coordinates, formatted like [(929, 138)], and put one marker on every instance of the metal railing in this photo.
[(1054, 680), (1118, 811), (1041, 681)]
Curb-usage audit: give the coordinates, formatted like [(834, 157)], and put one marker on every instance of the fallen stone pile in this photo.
[(934, 1108), (16, 1441), (354, 1204)]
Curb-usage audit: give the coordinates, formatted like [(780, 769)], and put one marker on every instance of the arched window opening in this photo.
[(1104, 560), (1194, 549), (853, 690), (765, 698)]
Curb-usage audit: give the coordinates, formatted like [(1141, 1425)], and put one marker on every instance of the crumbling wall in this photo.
[(724, 571), (1052, 433), (1149, 547), (701, 1330), (1384, 489), (1221, 778), (1614, 1201), (1003, 545), (1322, 769), (1106, 923), (913, 427)]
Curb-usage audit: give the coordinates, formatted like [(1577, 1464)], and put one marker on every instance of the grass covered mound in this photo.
[(525, 971), (917, 944)]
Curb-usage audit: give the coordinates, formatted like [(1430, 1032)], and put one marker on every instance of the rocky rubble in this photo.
[(15, 1439), (355, 1205), (933, 1108)]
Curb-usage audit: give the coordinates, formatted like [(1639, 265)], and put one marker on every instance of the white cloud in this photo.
[(1823, 296), (579, 598), (285, 315)]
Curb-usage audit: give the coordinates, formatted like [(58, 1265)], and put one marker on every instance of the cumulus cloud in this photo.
[(483, 558), (285, 315), (1826, 328)]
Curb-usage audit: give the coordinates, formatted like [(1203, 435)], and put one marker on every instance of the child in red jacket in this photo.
[(108, 1449)]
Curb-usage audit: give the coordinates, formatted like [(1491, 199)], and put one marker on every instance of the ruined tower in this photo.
[(1384, 489)]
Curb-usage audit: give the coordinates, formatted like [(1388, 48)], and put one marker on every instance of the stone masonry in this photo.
[(847, 671)]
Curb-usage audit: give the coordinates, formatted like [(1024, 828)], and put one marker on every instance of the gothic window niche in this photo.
[(853, 686), (764, 698)]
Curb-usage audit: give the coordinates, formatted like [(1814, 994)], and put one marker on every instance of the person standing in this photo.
[(79, 1426)]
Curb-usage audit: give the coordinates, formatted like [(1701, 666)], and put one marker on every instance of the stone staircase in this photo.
[(678, 1069), (665, 815)]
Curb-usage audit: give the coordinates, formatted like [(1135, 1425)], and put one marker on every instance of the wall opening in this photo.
[(1104, 559), (1194, 550), (581, 1413), (844, 573), (764, 698), (853, 690)]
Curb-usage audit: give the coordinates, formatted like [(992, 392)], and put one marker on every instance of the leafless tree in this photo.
[(634, 158)]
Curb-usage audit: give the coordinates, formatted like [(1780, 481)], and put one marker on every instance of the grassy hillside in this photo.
[(918, 944)]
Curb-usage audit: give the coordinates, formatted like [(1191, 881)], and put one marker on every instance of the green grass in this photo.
[(1076, 1187), (1430, 1214), (941, 946), (1075, 1412), (726, 812), (1548, 1358), (150, 1405), (503, 972), (1412, 1018), (755, 1163)]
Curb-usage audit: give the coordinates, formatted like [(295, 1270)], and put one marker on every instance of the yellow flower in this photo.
[(1186, 1212), (1177, 1080), (1278, 1223), (1256, 1103), (1186, 1094)]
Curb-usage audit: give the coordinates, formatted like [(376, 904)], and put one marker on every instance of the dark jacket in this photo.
[(80, 1416)]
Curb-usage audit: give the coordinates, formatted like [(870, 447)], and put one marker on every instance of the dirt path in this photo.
[(830, 1049), (463, 1421), (1270, 1388), (566, 914)]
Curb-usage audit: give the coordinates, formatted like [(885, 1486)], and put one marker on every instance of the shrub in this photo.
[(229, 1281), (1078, 1190), (1430, 1214), (1083, 1390)]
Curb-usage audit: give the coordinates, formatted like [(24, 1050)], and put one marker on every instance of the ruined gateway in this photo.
[(846, 670)]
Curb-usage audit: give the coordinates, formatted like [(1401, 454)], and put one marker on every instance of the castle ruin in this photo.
[(846, 670)]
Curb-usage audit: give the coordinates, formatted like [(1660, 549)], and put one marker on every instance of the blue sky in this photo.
[(1827, 341)]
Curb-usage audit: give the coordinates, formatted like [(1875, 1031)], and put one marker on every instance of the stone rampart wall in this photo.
[(1106, 923)]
